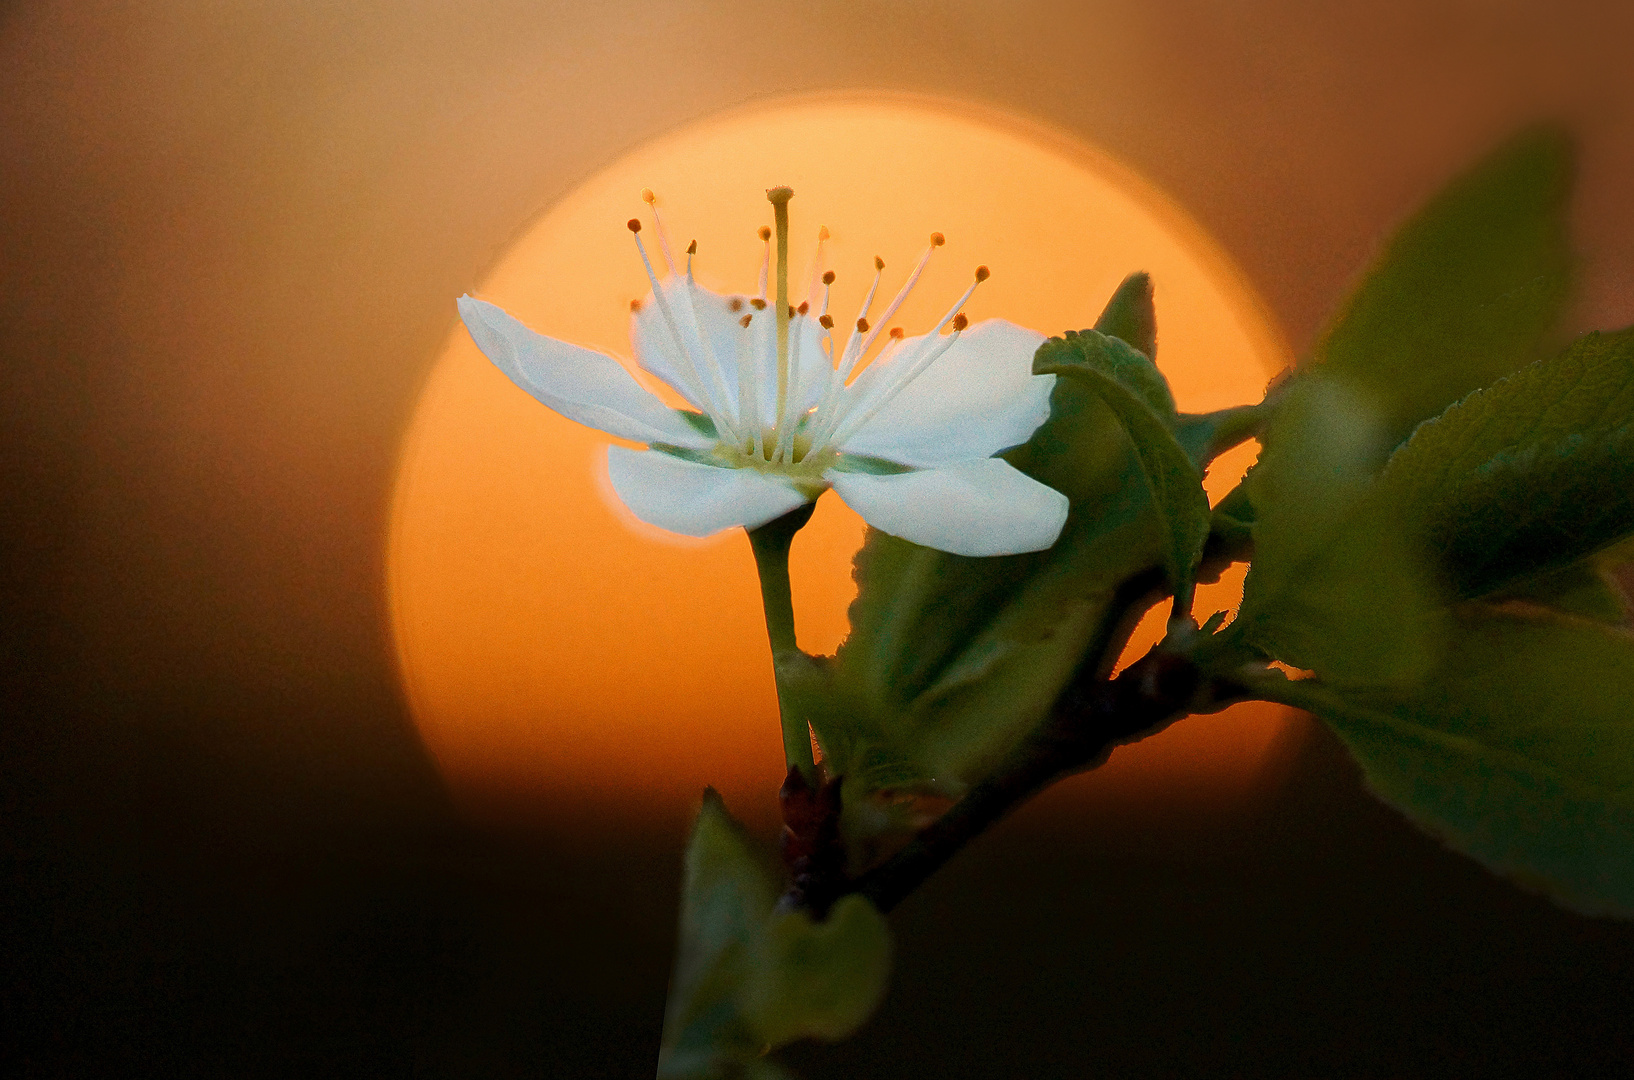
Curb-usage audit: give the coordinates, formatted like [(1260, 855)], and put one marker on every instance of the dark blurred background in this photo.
[(229, 233)]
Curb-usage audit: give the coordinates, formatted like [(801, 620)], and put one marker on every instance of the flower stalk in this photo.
[(771, 543)]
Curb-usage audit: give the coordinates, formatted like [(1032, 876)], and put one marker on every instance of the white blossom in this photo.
[(901, 428)]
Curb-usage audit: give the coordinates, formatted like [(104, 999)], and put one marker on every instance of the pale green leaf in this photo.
[(1519, 750)]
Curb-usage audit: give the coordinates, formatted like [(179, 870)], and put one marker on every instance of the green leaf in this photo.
[(1464, 291), (818, 980), (1519, 751), (1131, 316), (1136, 392), (1529, 475), (1583, 589), (747, 977), (1336, 586)]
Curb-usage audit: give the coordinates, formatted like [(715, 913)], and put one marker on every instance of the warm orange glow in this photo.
[(556, 649)]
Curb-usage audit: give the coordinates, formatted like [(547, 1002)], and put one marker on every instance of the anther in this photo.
[(960, 322), (792, 311), (896, 332), (692, 248), (805, 306), (937, 239), (822, 233), (744, 322), (647, 196), (635, 305), (758, 304), (735, 304), (634, 224), (828, 277), (826, 321), (765, 232), (879, 263), (982, 274), (862, 326)]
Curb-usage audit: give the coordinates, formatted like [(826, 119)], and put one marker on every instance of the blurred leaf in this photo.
[(1138, 395), (1335, 585), (748, 978), (1519, 751), (818, 980), (1529, 475), (1583, 589), (1463, 292)]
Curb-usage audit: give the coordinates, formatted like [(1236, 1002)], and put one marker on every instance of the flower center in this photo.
[(798, 440)]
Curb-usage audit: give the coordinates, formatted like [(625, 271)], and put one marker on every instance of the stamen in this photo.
[(735, 304), (692, 249), (805, 306), (748, 390), (862, 326), (826, 321), (817, 263), (658, 224), (960, 321), (758, 303), (765, 234), (936, 241), (828, 277), (688, 368), (635, 305)]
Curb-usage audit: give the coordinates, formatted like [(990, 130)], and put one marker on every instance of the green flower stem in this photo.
[(771, 544)]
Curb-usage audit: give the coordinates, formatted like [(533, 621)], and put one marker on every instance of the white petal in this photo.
[(696, 500), (973, 401), (981, 507), (581, 384), (713, 329)]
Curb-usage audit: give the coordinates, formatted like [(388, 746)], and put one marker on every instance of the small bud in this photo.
[(983, 273), (960, 321), (765, 232), (828, 277), (634, 224), (937, 239), (862, 326), (826, 321)]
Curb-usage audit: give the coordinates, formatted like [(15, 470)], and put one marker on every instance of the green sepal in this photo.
[(1518, 750), (1138, 395), (749, 978)]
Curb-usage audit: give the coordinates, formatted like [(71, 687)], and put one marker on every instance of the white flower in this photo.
[(907, 443)]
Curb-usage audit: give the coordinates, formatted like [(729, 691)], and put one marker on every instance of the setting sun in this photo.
[(553, 647)]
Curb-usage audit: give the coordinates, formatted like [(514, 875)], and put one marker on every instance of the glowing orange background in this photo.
[(553, 646)]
